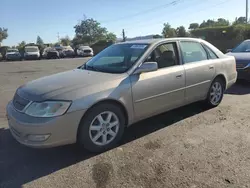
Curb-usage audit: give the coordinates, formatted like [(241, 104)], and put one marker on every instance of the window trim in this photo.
[(180, 49), (176, 48), (206, 49)]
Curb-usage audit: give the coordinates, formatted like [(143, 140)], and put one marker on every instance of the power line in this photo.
[(172, 3), (138, 22), (154, 23)]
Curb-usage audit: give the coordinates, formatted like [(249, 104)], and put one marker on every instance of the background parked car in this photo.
[(13, 54), (85, 51), (242, 56), (31, 52), (69, 52), (1, 57), (52, 53)]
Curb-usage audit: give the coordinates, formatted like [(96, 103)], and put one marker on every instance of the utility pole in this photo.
[(123, 36), (246, 11), (58, 36)]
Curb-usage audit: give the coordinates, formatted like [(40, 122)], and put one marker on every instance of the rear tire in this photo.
[(215, 93), (102, 127)]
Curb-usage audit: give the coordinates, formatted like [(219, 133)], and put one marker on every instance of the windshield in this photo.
[(31, 49), (12, 50), (243, 47), (117, 58)]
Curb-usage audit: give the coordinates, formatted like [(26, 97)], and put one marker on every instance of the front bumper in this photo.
[(60, 130), (244, 74), (31, 57), (13, 58), (86, 54)]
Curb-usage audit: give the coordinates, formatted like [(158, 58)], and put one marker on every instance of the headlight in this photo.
[(47, 109)]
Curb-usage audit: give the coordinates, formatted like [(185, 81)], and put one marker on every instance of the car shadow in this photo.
[(240, 88), (20, 164)]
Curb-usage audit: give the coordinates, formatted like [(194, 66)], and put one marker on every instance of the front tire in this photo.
[(215, 93), (102, 127)]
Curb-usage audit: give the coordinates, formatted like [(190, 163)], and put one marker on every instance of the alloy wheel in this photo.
[(216, 93), (104, 128)]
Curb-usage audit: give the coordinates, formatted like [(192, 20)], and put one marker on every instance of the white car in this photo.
[(31, 52), (85, 51)]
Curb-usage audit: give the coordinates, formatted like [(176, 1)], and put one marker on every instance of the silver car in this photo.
[(121, 85)]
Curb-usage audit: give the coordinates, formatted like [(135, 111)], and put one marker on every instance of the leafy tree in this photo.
[(208, 23), (90, 31), (181, 31), (111, 37), (157, 36), (65, 41), (193, 26), (21, 45), (240, 20), (39, 41), (168, 31), (222, 22), (3, 34)]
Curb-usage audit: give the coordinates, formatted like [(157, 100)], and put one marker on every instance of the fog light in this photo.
[(38, 138)]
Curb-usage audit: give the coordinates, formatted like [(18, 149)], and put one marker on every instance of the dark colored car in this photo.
[(53, 54), (242, 56)]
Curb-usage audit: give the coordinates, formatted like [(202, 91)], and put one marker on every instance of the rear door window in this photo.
[(192, 52)]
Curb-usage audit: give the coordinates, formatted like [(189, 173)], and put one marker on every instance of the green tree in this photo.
[(157, 36), (111, 37), (3, 34), (222, 22), (167, 31), (21, 45), (39, 41), (240, 20), (90, 31), (181, 31), (65, 41), (193, 26)]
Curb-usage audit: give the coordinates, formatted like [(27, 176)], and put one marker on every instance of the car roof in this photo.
[(152, 41)]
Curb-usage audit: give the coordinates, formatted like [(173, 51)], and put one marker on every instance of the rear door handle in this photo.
[(211, 67), (179, 76)]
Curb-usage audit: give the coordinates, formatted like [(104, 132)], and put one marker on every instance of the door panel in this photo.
[(158, 91), (199, 70), (199, 76)]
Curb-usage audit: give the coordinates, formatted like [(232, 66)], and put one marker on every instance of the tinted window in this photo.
[(165, 55), (193, 52), (212, 55), (117, 58)]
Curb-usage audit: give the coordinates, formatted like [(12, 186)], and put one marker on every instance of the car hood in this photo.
[(244, 56), (31, 53), (11, 53), (55, 85)]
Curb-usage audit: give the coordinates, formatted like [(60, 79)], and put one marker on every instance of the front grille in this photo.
[(52, 53), (19, 102), (87, 51)]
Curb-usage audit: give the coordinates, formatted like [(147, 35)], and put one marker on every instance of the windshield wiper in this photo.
[(89, 67)]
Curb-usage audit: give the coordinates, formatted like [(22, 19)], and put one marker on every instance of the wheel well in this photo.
[(222, 77), (109, 101)]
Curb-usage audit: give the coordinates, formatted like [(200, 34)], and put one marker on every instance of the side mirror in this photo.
[(146, 67), (229, 50)]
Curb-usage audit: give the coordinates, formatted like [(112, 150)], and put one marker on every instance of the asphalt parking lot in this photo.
[(187, 147)]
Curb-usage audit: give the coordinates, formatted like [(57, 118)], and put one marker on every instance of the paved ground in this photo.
[(187, 147)]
